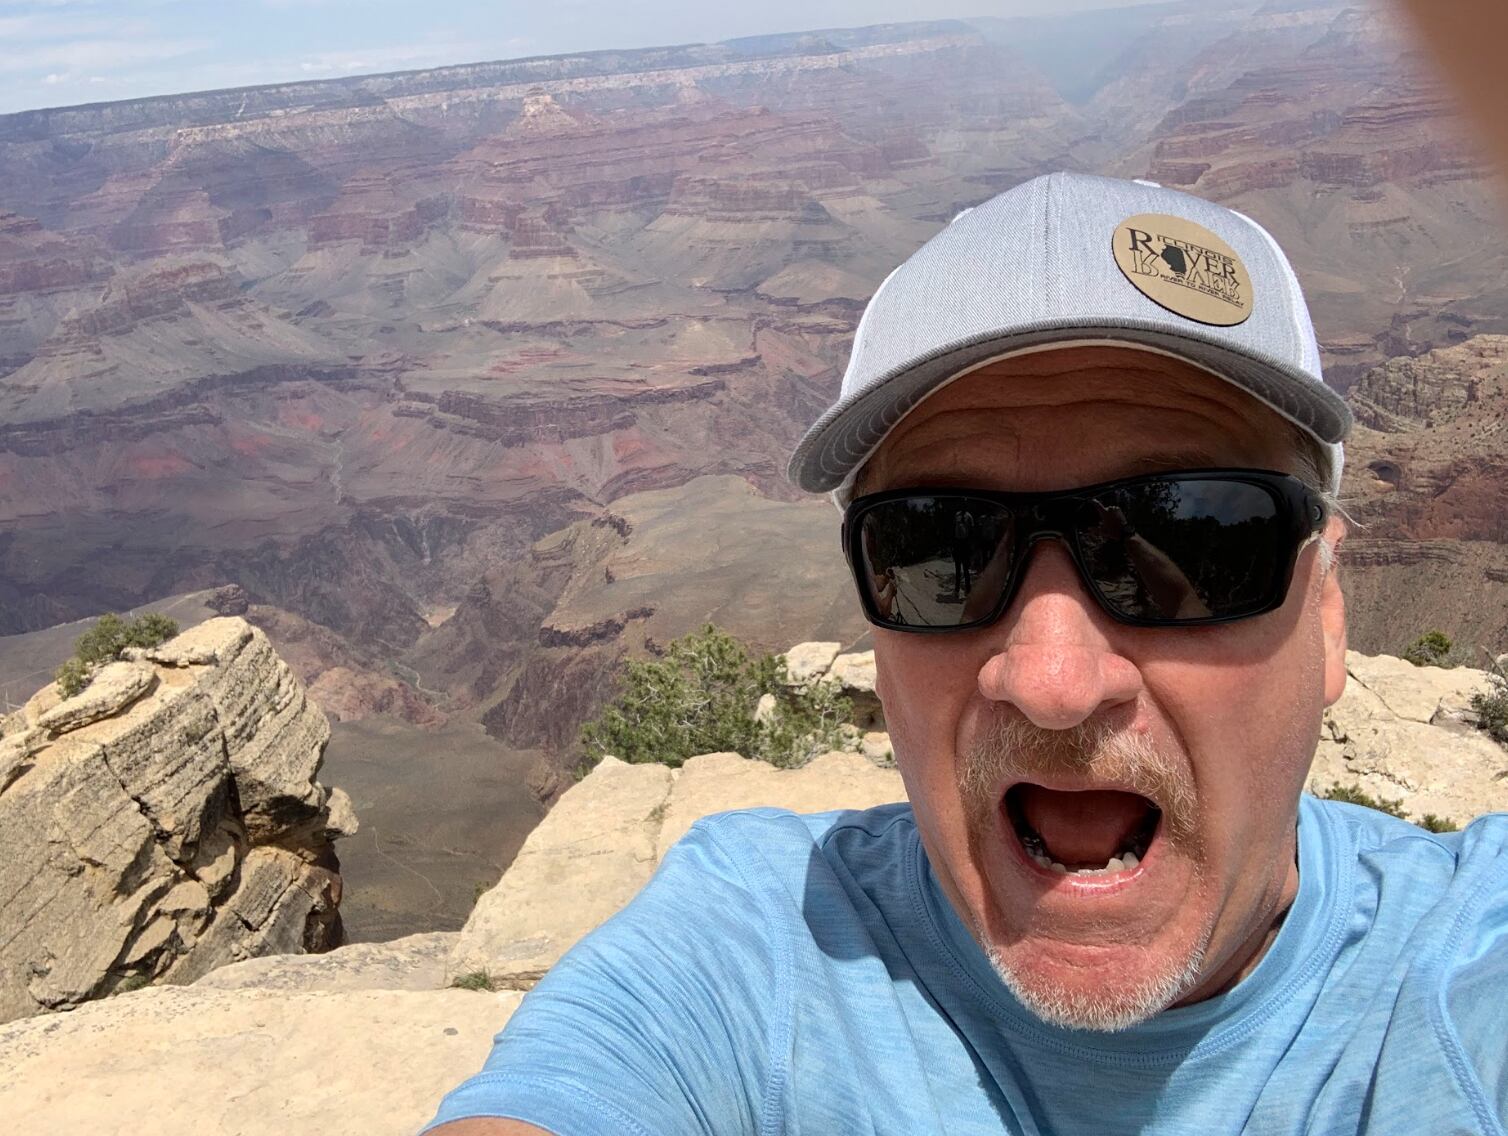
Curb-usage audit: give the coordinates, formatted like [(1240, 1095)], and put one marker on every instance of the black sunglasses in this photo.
[(1164, 550)]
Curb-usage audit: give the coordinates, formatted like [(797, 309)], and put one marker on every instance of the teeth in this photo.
[(1122, 863), (1128, 860)]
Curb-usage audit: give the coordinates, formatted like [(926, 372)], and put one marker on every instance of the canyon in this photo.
[(464, 384)]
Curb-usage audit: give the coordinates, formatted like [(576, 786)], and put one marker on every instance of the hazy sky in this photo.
[(60, 52)]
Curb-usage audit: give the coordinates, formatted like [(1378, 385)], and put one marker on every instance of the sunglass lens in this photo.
[(1184, 550), (922, 559)]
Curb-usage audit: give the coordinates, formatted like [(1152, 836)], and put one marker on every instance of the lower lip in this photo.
[(1078, 884)]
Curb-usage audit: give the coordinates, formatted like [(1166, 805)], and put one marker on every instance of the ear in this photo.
[(1332, 605)]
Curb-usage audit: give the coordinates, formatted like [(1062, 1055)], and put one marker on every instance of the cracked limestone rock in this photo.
[(1404, 733), (165, 821), (854, 673), (807, 662), (114, 687), (589, 856)]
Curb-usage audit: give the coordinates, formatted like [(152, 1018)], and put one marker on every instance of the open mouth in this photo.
[(1090, 832)]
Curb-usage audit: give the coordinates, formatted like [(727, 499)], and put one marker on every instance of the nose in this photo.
[(1056, 660)]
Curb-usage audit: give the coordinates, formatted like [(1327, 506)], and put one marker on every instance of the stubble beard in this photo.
[(1013, 749)]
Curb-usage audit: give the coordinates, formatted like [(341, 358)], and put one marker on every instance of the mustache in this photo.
[(1015, 749)]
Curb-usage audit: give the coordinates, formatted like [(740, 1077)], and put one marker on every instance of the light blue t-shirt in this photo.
[(805, 975)]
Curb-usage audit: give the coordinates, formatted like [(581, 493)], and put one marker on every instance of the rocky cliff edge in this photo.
[(164, 821)]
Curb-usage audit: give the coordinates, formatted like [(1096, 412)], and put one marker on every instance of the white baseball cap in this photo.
[(1068, 259)]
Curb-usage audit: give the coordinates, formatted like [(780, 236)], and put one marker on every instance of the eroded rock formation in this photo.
[(164, 821)]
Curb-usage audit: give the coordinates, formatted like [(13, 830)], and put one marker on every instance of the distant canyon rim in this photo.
[(475, 380)]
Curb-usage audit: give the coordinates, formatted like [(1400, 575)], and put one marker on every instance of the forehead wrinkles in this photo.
[(995, 417)]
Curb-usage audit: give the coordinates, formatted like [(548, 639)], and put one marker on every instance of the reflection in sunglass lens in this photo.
[(1183, 550), (934, 561)]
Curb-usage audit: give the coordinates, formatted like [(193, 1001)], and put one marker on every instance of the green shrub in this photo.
[(71, 678), (104, 642), (700, 697), (805, 722), (1429, 821), (476, 980), (1491, 706), (150, 629), (1353, 795), (131, 982), (1432, 649)]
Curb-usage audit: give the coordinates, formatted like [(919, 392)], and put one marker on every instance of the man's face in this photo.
[(1056, 720)]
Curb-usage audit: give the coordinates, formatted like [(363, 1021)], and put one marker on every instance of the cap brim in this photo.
[(848, 433)]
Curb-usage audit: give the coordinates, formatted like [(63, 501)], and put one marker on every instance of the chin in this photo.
[(1113, 988)]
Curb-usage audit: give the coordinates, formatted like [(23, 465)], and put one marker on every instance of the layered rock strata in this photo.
[(164, 821), (1427, 488)]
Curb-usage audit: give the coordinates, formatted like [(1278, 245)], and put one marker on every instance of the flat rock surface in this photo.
[(112, 688), (189, 1061), (1410, 692), (416, 962)]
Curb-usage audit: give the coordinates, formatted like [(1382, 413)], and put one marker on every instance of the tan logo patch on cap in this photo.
[(1183, 267)]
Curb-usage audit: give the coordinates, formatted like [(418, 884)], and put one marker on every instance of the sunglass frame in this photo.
[(1302, 508)]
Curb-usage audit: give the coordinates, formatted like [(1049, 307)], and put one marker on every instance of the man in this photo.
[(1106, 907)]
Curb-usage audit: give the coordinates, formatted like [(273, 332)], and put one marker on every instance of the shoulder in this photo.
[(759, 841), (1438, 896), (1442, 900), (1394, 844), (1433, 878), (775, 863)]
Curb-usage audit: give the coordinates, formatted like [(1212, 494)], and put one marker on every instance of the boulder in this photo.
[(184, 1061), (854, 674), (165, 821), (229, 599), (875, 745), (589, 856), (1400, 733), (807, 662), (113, 687), (600, 844)]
